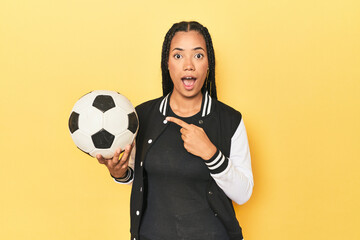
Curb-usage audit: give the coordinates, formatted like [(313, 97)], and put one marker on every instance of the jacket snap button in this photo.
[(201, 122), (141, 189), (141, 163), (165, 121), (215, 214), (150, 141), (210, 193), (137, 213)]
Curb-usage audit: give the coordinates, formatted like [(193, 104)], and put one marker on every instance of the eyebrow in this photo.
[(197, 48)]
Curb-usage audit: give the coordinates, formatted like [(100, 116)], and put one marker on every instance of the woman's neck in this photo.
[(185, 106)]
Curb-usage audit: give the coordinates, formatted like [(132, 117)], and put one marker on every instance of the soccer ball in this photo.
[(101, 122)]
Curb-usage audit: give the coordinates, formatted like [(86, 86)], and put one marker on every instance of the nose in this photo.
[(189, 65)]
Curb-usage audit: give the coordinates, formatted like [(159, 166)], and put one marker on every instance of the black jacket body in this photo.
[(219, 122)]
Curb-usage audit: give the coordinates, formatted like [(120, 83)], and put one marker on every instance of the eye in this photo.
[(199, 55), (177, 56)]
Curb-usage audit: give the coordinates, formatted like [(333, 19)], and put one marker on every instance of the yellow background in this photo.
[(291, 67)]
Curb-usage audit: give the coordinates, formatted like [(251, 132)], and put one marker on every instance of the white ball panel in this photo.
[(106, 153), (116, 121), (83, 141), (84, 102), (124, 103), (91, 120), (122, 140)]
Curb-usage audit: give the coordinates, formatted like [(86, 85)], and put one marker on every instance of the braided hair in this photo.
[(167, 83)]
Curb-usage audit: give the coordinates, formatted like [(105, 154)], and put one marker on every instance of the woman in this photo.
[(192, 154)]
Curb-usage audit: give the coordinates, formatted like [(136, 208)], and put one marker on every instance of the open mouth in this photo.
[(188, 82)]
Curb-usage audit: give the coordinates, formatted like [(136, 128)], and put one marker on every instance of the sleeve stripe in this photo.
[(221, 167), (213, 162), (127, 178), (218, 164)]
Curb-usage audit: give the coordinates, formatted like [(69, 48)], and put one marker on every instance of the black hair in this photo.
[(167, 83)]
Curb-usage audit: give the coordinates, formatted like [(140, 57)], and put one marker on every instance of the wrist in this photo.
[(209, 153), (120, 176), (127, 178)]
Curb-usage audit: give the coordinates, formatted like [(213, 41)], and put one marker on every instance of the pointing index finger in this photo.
[(179, 122)]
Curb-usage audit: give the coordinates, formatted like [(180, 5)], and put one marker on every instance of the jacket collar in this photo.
[(206, 104)]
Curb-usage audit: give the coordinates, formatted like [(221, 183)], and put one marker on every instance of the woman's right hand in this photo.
[(117, 167)]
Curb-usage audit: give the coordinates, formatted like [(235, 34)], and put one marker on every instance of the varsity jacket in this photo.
[(230, 167)]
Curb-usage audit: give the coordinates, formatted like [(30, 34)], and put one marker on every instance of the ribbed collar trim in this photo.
[(205, 105)]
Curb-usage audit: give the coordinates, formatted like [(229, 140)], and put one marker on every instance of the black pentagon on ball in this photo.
[(102, 139), (73, 122), (133, 122), (103, 102)]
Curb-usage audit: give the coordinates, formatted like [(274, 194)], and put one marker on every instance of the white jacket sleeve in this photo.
[(236, 180), (130, 172)]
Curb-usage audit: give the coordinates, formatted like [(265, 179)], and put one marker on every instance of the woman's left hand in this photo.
[(195, 139)]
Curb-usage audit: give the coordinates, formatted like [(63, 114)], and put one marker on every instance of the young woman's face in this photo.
[(188, 63)]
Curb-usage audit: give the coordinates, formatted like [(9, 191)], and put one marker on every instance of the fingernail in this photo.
[(167, 118)]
